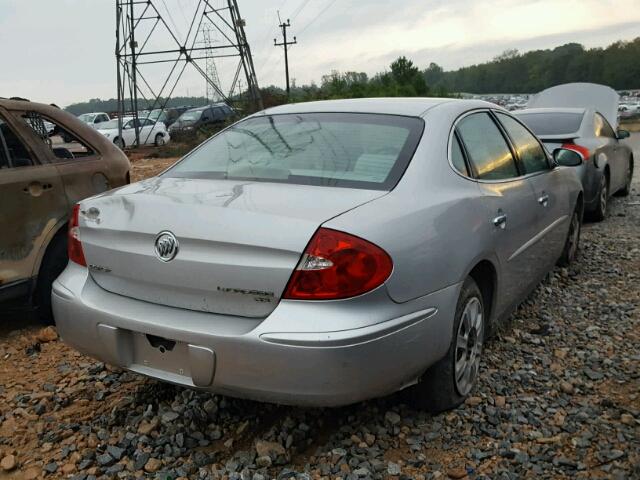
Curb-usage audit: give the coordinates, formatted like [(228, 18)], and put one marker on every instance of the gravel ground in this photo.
[(559, 396)]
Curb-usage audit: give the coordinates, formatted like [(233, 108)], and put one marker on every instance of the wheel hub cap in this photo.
[(468, 346)]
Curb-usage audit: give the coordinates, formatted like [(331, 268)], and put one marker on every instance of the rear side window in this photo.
[(552, 123), (326, 149), (602, 127), (457, 157), (487, 149), (529, 150), (14, 152), (63, 144)]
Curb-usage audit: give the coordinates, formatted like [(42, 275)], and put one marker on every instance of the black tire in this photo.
[(159, 140), (572, 243), (437, 390), (119, 143), (600, 212), (626, 190), (54, 262)]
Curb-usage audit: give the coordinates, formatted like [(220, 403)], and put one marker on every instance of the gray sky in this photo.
[(62, 51)]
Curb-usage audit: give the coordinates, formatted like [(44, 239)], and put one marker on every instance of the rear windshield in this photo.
[(327, 149), (552, 123), (191, 115)]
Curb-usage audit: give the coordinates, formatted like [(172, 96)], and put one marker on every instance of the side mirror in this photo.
[(567, 158), (622, 134)]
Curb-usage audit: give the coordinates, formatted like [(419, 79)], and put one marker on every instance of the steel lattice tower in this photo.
[(211, 70), (140, 26)]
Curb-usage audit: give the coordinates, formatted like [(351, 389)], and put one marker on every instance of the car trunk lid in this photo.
[(238, 241), (580, 95)]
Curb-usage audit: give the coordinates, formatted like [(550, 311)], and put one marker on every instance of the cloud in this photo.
[(65, 53), (461, 32)]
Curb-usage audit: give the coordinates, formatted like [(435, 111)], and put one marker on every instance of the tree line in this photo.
[(617, 65)]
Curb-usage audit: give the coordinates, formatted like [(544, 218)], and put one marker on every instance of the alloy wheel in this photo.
[(468, 346), (603, 194), (574, 237)]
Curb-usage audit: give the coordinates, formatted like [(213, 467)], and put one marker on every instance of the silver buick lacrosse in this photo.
[(324, 253)]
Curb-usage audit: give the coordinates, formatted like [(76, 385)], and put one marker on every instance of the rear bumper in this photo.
[(262, 359)]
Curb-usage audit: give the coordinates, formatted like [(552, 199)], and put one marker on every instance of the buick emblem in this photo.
[(166, 246)]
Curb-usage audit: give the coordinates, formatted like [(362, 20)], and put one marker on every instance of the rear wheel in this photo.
[(600, 211), (53, 263), (572, 243), (448, 382), (159, 141), (626, 190), (119, 143)]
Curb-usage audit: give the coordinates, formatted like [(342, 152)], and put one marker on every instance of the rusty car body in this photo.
[(49, 160)]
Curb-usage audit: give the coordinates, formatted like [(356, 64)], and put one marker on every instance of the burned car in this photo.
[(49, 160)]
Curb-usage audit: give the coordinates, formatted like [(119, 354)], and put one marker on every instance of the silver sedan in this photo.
[(324, 253)]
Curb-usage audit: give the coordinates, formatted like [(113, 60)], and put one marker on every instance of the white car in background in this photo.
[(95, 119), (151, 133)]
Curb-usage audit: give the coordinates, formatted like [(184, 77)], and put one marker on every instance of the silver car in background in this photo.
[(324, 253), (584, 117)]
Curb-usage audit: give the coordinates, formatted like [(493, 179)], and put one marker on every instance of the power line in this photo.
[(295, 14), (329, 5)]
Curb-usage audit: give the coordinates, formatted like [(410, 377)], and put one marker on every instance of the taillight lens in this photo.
[(74, 247), (338, 265), (584, 151)]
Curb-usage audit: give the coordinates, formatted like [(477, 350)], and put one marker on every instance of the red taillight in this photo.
[(584, 151), (338, 265), (74, 247)]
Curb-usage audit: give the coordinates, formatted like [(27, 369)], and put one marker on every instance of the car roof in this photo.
[(550, 110), (10, 104), (408, 106)]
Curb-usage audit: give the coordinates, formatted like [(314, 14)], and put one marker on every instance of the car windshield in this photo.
[(190, 116), (552, 123), (326, 149), (87, 117)]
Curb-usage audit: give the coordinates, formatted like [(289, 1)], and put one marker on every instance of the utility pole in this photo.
[(285, 44)]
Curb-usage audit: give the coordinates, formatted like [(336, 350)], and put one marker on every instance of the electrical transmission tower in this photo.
[(152, 55), (211, 70)]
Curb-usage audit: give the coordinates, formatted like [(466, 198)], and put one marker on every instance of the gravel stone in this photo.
[(557, 397)]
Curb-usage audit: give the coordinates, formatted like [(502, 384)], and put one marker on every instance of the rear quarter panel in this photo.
[(433, 224)]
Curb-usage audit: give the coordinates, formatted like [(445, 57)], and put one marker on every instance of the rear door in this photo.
[(80, 165), (32, 201), (509, 202), (550, 193), (146, 131), (616, 154)]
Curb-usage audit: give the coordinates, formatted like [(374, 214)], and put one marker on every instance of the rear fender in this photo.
[(59, 227)]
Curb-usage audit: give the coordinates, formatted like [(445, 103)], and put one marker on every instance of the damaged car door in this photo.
[(33, 201)]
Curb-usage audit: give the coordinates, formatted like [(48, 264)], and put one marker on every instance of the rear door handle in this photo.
[(543, 200), (35, 189), (500, 221)]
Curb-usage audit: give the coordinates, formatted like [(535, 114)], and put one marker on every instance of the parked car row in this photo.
[(350, 248), (155, 126)]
